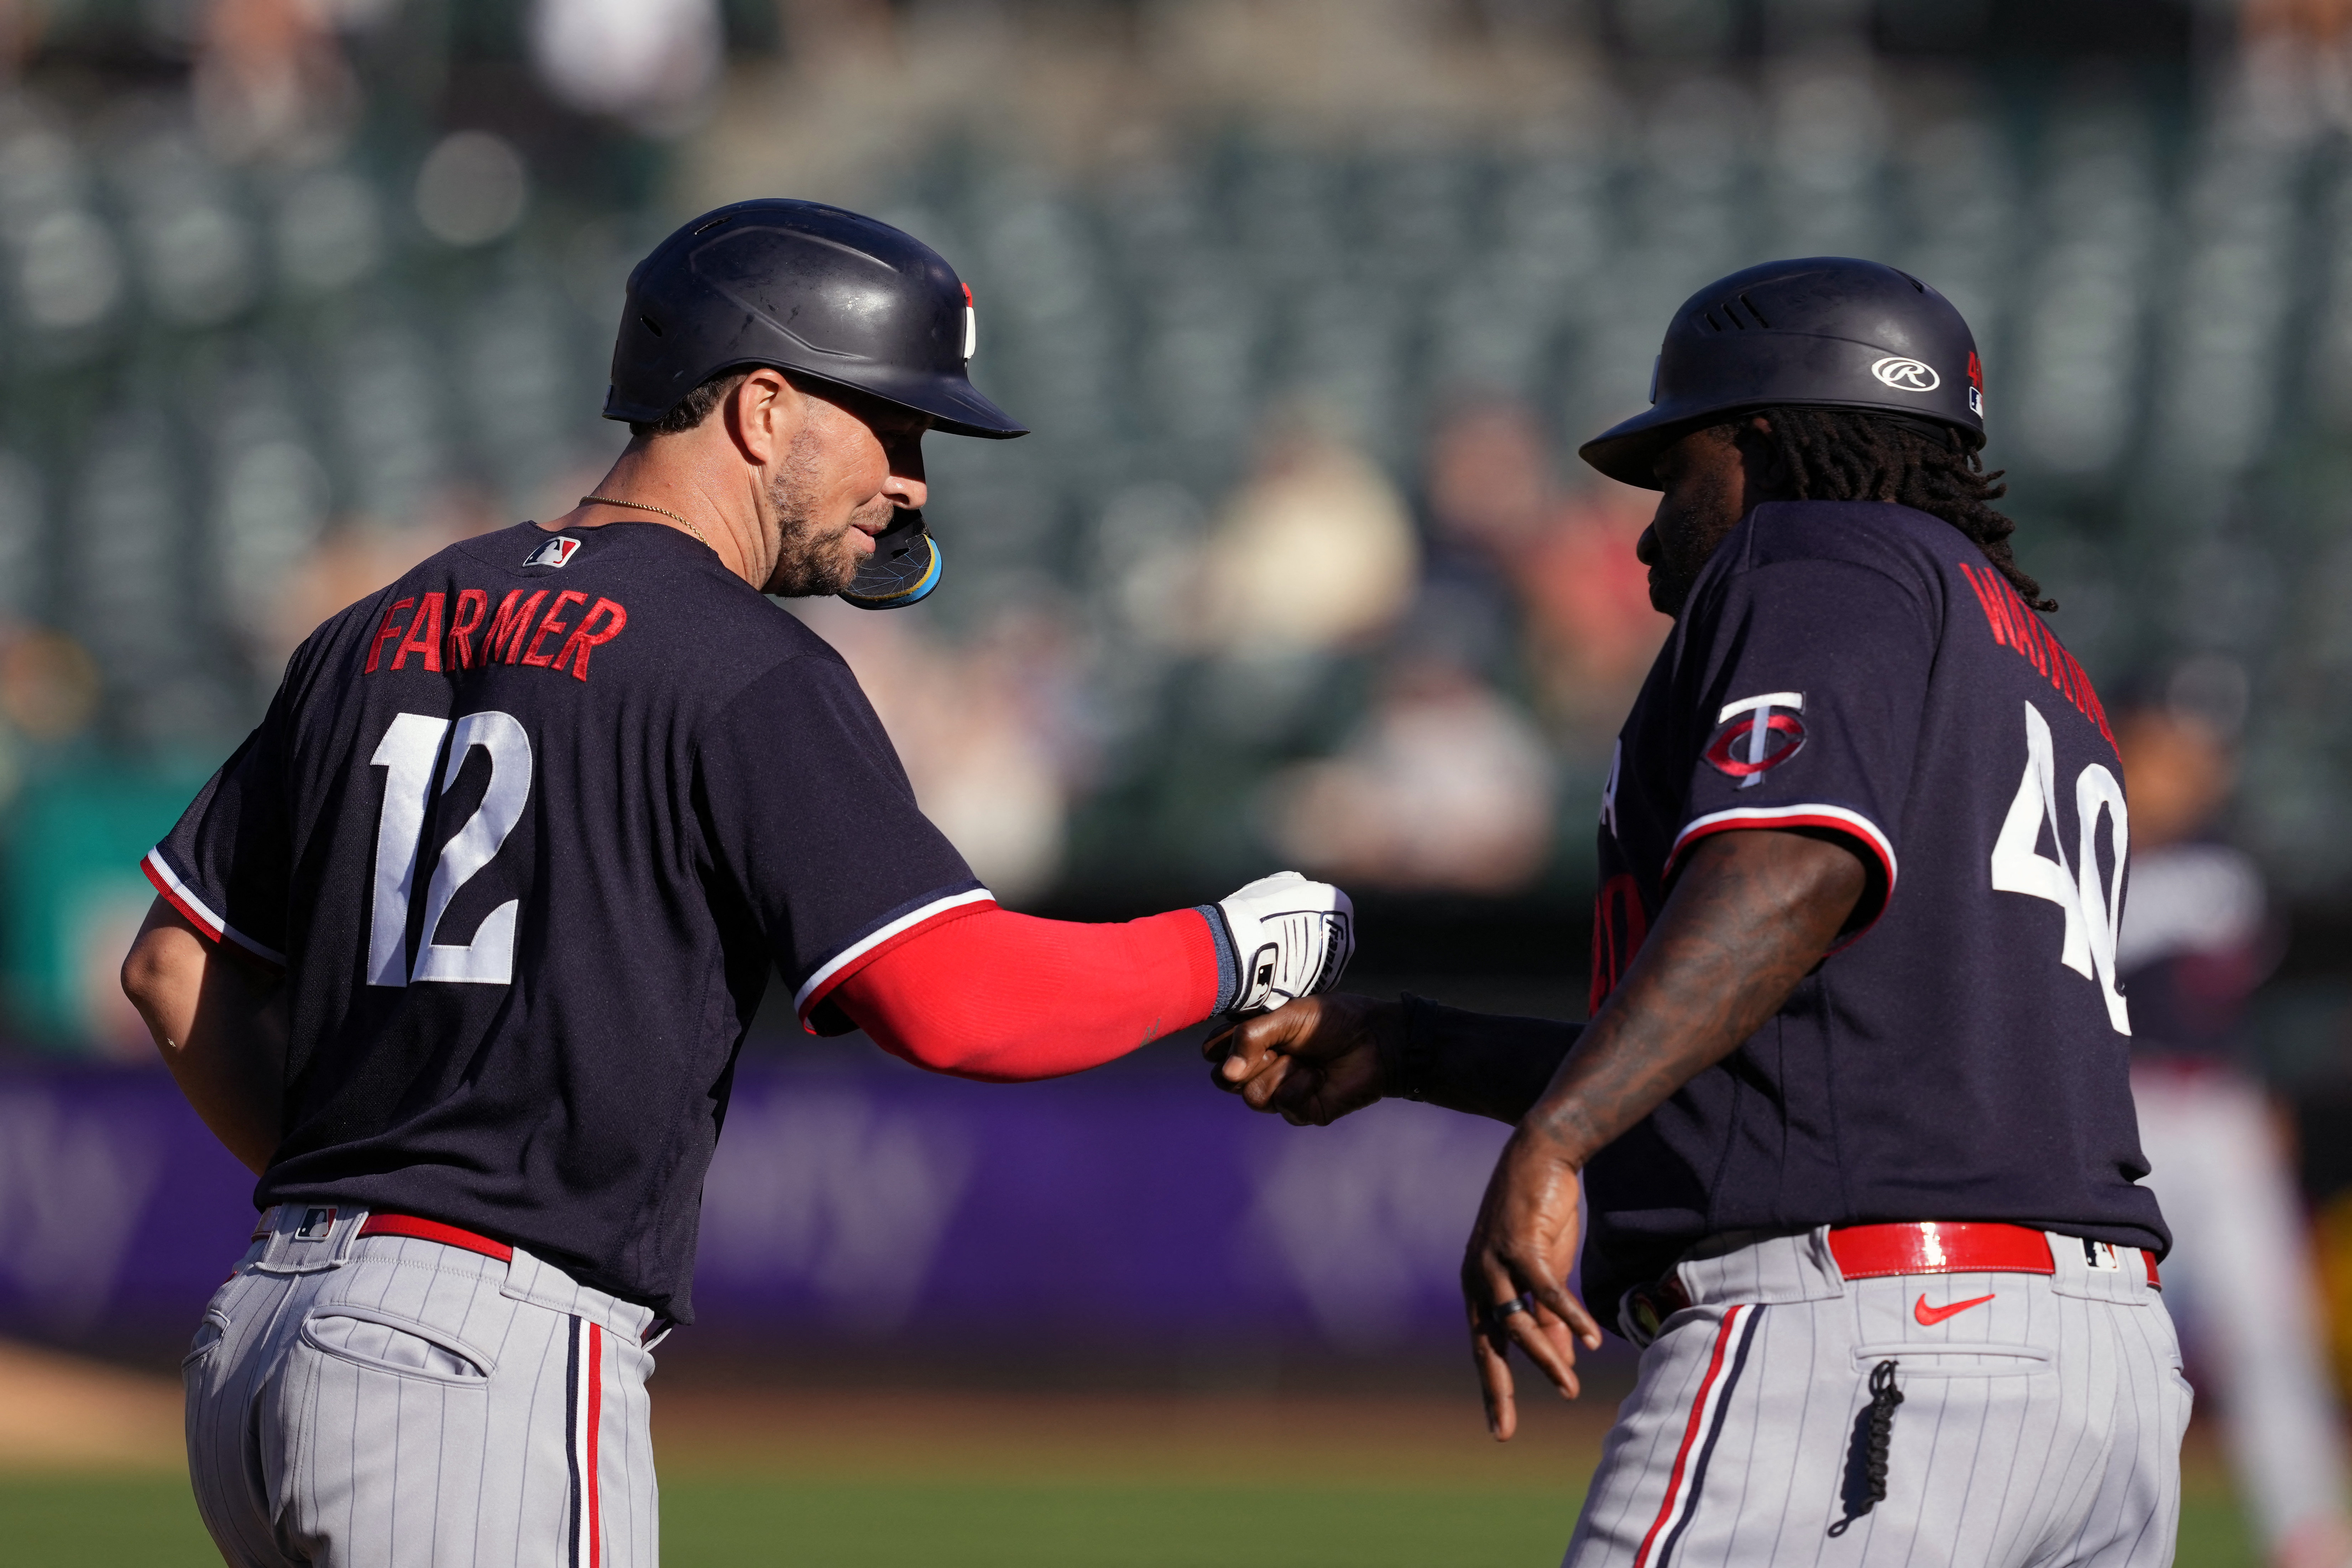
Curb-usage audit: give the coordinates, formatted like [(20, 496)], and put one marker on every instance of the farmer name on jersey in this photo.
[(516, 632)]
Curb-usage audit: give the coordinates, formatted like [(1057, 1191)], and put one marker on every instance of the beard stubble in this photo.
[(810, 563)]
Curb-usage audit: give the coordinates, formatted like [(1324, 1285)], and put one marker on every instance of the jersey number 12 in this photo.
[(406, 754), (2092, 911)]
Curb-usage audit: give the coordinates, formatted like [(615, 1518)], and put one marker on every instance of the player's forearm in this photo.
[(1008, 998), (1750, 916), (220, 1027), (1484, 1064)]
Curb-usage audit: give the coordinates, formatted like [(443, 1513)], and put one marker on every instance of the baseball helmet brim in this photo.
[(956, 406)]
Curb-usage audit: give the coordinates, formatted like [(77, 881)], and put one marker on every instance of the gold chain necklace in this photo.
[(641, 506)]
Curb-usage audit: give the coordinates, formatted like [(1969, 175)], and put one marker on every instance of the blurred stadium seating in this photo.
[(1309, 303)]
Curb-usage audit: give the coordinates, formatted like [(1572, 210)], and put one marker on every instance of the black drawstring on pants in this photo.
[(1867, 1489)]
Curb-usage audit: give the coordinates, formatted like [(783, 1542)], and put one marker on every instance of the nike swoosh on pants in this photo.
[(1930, 1316)]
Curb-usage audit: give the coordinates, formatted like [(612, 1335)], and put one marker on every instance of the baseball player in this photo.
[(2197, 939), (1851, 1115), (455, 951)]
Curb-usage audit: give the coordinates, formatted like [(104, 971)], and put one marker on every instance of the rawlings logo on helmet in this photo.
[(1906, 374)]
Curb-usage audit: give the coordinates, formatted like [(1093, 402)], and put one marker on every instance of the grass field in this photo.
[(89, 1477), (147, 1522)]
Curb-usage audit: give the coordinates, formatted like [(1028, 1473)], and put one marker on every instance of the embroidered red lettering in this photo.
[(2014, 625), (424, 635), (1991, 601), (591, 636), (551, 626), (472, 605), (2025, 631), (384, 633), (509, 625)]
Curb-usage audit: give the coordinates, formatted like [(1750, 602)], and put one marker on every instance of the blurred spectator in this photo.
[(982, 729), (1591, 630), (48, 684), (2195, 939), (648, 61), (270, 80), (1491, 487), (1502, 528), (1443, 788), (1314, 554)]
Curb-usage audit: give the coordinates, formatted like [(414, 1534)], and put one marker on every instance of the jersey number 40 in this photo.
[(2092, 911), (406, 754)]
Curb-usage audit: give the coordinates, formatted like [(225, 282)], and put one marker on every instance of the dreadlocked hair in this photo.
[(1843, 454)]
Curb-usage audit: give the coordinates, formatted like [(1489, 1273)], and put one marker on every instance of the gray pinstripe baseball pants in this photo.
[(2039, 1426), (388, 1402)]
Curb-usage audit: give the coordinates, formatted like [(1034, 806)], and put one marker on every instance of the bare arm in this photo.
[(221, 1026), (1751, 915)]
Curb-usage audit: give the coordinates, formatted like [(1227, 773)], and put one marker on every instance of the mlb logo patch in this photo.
[(554, 553), (2101, 1255), (316, 1223)]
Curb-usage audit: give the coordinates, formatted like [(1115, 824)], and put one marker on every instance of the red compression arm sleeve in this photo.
[(1009, 997)]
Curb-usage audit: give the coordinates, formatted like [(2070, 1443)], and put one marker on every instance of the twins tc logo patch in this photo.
[(554, 553), (1759, 734)]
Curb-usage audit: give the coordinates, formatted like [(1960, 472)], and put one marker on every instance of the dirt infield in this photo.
[(64, 1413), (59, 1412), (1143, 1437)]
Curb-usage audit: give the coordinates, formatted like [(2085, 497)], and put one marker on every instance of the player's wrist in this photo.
[(1561, 1130), (1229, 971), (1402, 1044)]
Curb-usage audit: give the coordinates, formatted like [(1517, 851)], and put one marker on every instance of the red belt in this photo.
[(446, 1234), (1949, 1247)]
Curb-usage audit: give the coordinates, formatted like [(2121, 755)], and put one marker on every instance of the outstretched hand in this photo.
[(1515, 1276), (1310, 1061)]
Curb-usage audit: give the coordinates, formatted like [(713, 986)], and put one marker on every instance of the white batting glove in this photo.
[(1288, 938)]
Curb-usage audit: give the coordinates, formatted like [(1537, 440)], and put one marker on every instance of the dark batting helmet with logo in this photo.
[(1824, 332), (805, 287)]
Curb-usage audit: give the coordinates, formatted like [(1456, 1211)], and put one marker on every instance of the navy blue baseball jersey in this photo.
[(1861, 672), (528, 832)]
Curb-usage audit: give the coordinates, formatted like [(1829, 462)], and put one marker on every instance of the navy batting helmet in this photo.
[(808, 289), (1823, 332)]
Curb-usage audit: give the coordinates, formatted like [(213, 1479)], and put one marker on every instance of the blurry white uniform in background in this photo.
[(2239, 1278)]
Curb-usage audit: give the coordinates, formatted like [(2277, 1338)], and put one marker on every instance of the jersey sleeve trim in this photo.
[(1838, 819), (177, 893), (894, 929)]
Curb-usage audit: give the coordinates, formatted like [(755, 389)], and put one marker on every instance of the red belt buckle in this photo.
[(434, 1230), (1939, 1247)]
